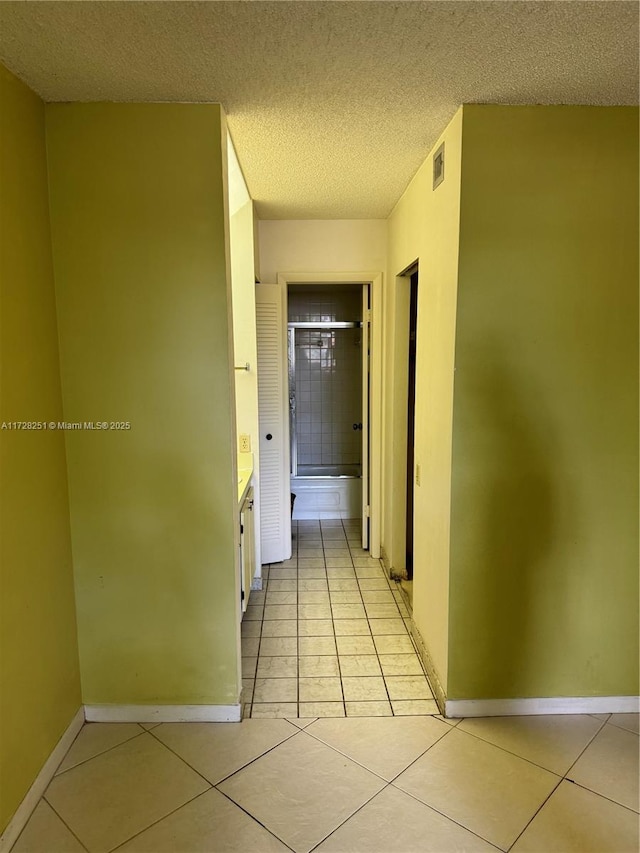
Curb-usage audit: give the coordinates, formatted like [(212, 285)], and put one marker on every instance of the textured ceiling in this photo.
[(332, 106)]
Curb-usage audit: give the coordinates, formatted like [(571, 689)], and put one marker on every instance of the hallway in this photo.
[(327, 635), (373, 785)]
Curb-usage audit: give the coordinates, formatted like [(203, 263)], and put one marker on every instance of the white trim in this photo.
[(162, 714), (37, 789), (375, 402), (531, 707)]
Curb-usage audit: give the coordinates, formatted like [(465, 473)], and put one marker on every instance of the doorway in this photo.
[(328, 401), (411, 407)]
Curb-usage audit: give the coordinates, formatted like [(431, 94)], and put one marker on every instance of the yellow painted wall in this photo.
[(138, 206), (423, 227), (39, 671), (544, 530), (321, 245), (245, 345)]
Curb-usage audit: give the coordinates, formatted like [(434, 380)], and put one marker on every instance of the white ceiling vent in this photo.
[(438, 166)]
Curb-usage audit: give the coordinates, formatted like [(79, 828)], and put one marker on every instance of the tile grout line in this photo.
[(353, 814), (446, 816), (60, 773), (253, 818), (602, 796), (56, 812), (164, 817), (536, 813)]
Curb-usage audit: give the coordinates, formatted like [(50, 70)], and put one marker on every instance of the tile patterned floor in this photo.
[(327, 636), (415, 784)]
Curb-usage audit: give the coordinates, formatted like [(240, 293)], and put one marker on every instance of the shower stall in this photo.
[(325, 399)]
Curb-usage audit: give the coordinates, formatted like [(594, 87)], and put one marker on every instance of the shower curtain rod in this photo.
[(324, 324)]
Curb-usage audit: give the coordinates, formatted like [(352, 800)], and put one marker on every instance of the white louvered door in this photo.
[(273, 412)]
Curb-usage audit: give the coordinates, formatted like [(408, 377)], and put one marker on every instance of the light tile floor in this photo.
[(328, 636), (416, 784), (327, 639)]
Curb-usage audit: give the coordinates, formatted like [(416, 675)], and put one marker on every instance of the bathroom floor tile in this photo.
[(355, 645), (302, 790), (346, 597), (322, 709), (351, 627), (250, 629), (249, 665), (283, 586), (382, 611), (283, 574), (609, 766), (377, 596), (313, 584), (394, 644), (312, 573), (313, 596), (250, 645), (401, 665), (315, 628), (363, 688), (353, 665), (287, 597), (282, 611), (275, 690), (320, 689), (413, 707), (254, 613), (117, 794), (343, 584), (319, 665), (273, 710), (487, 790), (277, 667), (408, 687), (247, 689), (368, 709), (348, 611), (278, 646), (310, 563), (280, 628), (381, 627), (216, 750), (314, 611), (574, 820), (210, 822)]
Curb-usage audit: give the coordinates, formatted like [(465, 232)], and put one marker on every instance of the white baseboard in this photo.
[(163, 714), (533, 707), (35, 792)]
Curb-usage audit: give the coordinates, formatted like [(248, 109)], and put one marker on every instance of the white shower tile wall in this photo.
[(328, 376), (327, 305), (328, 393)]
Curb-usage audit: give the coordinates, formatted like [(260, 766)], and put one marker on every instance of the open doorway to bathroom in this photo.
[(328, 373)]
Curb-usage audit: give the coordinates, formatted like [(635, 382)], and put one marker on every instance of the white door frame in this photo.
[(374, 280)]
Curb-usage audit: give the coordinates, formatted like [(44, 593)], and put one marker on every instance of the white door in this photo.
[(366, 343), (273, 415)]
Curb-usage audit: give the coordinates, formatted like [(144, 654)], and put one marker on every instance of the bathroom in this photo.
[(327, 358)]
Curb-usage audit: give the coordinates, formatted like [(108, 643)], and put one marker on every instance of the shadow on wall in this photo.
[(506, 525)]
